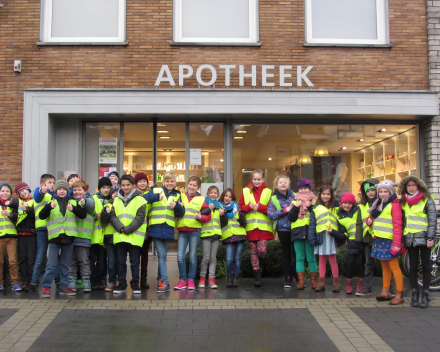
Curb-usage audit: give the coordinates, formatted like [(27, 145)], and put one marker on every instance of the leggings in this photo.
[(304, 252), (143, 253), (389, 266), (258, 250), (413, 252), (352, 259), (288, 252), (323, 265)]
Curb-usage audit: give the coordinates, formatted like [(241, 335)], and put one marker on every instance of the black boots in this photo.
[(229, 281), (257, 278), (235, 281), (144, 283), (415, 297), (425, 299)]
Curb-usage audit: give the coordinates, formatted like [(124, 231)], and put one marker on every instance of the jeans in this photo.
[(425, 255), (161, 246), (80, 258), (238, 246), (97, 262), (192, 238), (121, 253), (42, 243), (52, 261), (210, 248), (369, 262), (112, 263)]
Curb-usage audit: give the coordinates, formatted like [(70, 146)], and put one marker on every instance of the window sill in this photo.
[(78, 43), (213, 44), (350, 45)]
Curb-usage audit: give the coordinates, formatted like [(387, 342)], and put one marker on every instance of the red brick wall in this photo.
[(149, 32)]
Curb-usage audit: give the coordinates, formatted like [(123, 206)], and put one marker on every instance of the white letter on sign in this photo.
[(242, 75), (265, 75), (183, 75), (285, 75), (213, 75), (227, 74), (160, 78), (303, 76)]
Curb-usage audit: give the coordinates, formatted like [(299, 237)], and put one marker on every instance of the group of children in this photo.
[(88, 237)]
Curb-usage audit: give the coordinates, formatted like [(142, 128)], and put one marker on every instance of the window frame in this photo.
[(382, 20), (46, 27), (253, 27)]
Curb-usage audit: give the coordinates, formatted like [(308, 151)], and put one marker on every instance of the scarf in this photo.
[(126, 199), (282, 195), (304, 198), (231, 209), (216, 203), (379, 204), (414, 199)]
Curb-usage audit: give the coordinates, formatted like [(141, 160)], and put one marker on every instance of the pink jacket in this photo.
[(396, 213)]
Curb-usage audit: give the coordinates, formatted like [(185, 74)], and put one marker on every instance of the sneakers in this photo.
[(211, 283), (136, 289), (72, 284), (87, 287), (167, 288), (70, 292), (31, 287), (364, 292), (101, 284), (1, 287), (288, 282), (161, 286), (202, 282), (46, 292), (16, 287), (110, 287), (191, 285), (119, 289), (181, 285)]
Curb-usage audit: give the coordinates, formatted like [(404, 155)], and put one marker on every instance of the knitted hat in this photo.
[(402, 185), (7, 185), (61, 184), (115, 188), (113, 173), (140, 176), (104, 181), (389, 185), (304, 183), (21, 186), (348, 198)]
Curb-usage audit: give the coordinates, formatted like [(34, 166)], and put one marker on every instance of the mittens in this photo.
[(369, 221)]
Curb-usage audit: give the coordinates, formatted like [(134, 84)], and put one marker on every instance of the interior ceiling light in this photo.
[(238, 137), (164, 137), (360, 140), (382, 130), (343, 148), (163, 131), (321, 150), (245, 125), (161, 124), (305, 159), (242, 131), (221, 160), (269, 159)]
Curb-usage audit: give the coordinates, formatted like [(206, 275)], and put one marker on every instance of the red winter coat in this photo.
[(396, 214), (256, 234)]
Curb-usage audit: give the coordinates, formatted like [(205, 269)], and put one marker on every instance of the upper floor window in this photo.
[(216, 21), (83, 21), (347, 21)]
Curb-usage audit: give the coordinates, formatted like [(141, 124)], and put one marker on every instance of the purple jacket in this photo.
[(283, 222)]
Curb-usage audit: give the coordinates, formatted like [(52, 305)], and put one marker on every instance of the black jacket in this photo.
[(28, 224), (298, 233)]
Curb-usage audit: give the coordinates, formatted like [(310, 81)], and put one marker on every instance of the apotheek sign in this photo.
[(285, 75)]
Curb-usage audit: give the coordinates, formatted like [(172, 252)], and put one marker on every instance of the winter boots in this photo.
[(349, 286), (336, 284), (314, 280), (301, 283), (398, 299), (385, 295), (144, 283), (321, 285)]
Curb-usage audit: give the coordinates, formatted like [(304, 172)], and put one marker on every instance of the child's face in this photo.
[(114, 194), (371, 193), (304, 190), (5, 193), (126, 186), (142, 185), (170, 184), (213, 194), (228, 198), (72, 181), (78, 192), (105, 190), (412, 187), (192, 187), (326, 196), (384, 193), (282, 185), (257, 180), (113, 179), (347, 206), (50, 184), (24, 194), (62, 192)]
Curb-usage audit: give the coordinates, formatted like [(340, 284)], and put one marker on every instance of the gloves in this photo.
[(369, 221)]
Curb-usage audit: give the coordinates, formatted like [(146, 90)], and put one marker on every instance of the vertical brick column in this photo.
[(431, 127)]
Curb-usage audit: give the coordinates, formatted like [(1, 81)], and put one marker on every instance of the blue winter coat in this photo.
[(283, 222), (164, 231)]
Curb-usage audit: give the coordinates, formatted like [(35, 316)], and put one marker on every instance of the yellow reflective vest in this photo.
[(212, 227), (324, 217), (364, 215), (58, 224), (305, 221), (416, 219), (161, 212), (7, 227), (38, 207), (108, 229), (98, 231), (350, 225), (233, 228), (256, 219), (383, 224), (21, 214), (126, 215), (191, 208)]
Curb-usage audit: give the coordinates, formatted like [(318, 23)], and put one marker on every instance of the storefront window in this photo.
[(138, 149), (340, 155)]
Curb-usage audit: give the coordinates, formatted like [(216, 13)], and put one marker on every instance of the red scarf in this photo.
[(415, 200)]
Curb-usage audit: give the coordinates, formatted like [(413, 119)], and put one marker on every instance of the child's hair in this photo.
[(405, 192), (256, 171), (129, 178), (168, 175), (81, 183), (72, 176), (196, 179), (331, 202), (211, 188), (46, 177), (278, 178), (222, 197)]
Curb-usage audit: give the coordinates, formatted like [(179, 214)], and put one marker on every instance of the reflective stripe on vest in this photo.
[(84, 227), (325, 216), (233, 228), (364, 215), (22, 215), (109, 230), (161, 212), (191, 208), (256, 219), (38, 207), (126, 215), (416, 219), (350, 225), (383, 224), (305, 221), (98, 233), (58, 224), (6, 225), (212, 227)]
